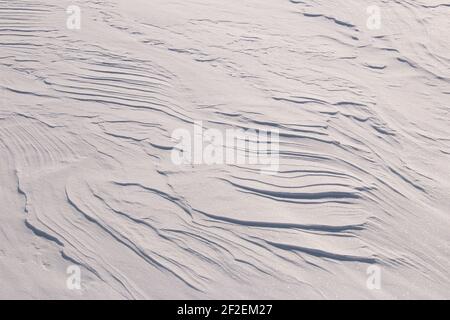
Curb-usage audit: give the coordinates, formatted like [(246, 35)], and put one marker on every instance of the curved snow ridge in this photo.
[(87, 178)]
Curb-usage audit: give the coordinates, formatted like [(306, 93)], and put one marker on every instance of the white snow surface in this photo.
[(86, 176)]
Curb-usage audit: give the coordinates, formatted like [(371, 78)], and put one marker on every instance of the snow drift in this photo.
[(86, 177)]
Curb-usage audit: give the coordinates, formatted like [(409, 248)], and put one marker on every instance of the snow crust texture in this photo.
[(86, 176)]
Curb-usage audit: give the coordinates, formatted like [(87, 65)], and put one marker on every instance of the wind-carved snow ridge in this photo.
[(87, 116)]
